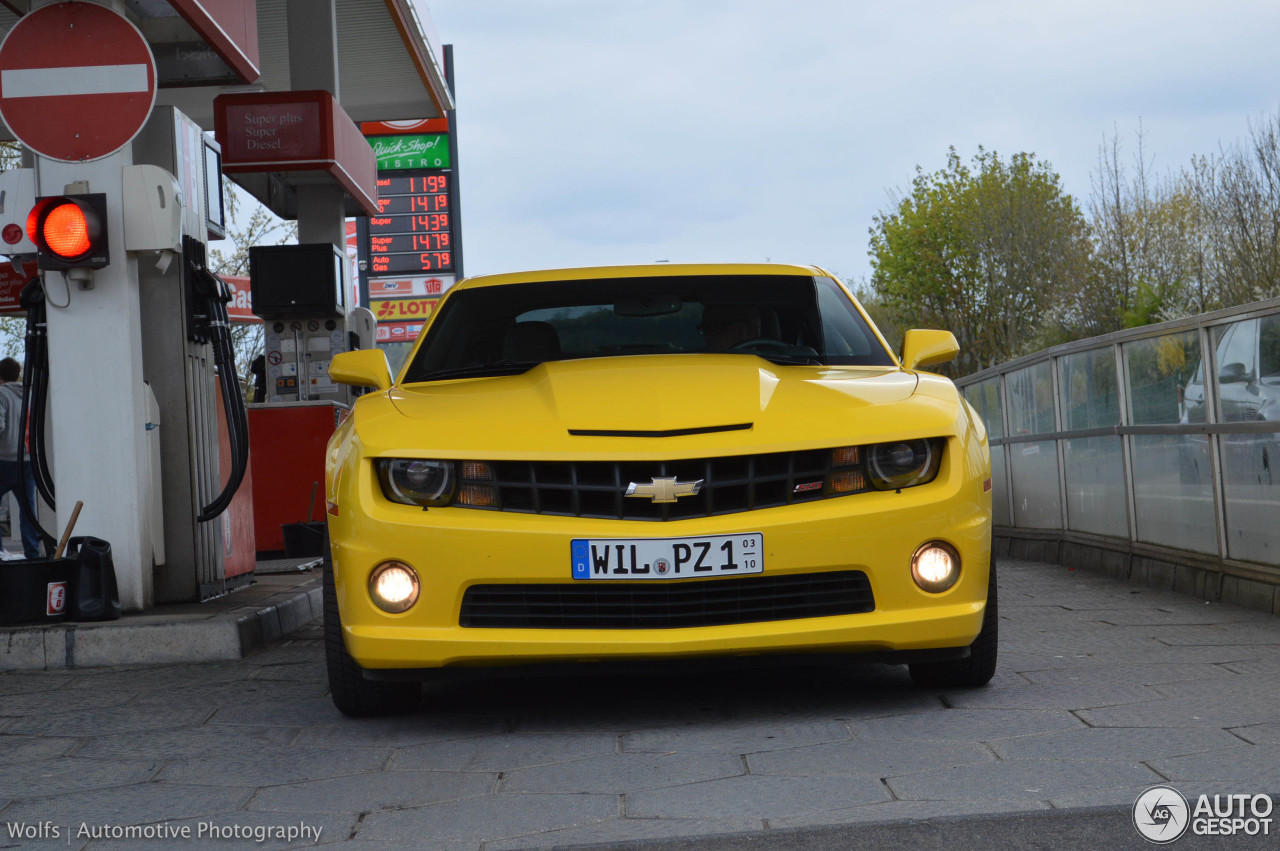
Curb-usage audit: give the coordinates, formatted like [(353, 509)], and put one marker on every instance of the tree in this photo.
[(985, 250), (1145, 248), (262, 228)]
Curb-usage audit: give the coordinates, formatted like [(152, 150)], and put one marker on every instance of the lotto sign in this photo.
[(83, 111), (56, 599), (398, 310)]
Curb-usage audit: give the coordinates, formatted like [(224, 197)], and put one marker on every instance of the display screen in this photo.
[(413, 231)]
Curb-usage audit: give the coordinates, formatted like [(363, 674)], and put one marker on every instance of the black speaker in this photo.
[(290, 281)]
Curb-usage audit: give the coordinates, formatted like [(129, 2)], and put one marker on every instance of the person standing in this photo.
[(12, 441)]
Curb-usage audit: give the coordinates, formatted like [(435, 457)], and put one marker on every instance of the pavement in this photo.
[(1103, 690)]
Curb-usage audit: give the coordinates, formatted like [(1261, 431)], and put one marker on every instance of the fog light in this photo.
[(393, 587), (935, 567)]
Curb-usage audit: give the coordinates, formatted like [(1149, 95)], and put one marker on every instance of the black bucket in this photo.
[(36, 590), (303, 540), (81, 586)]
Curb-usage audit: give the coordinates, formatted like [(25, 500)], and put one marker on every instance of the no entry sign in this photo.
[(77, 81)]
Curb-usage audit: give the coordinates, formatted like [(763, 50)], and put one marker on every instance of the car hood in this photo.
[(653, 406)]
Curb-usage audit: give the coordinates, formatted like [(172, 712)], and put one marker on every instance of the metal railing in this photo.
[(1162, 440)]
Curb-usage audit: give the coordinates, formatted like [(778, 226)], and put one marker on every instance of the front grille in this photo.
[(663, 605), (598, 488)]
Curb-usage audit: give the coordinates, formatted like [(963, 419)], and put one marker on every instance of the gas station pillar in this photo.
[(313, 64)]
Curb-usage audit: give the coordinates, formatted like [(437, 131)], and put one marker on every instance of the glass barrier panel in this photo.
[(1087, 386), (1000, 514), (1030, 395), (1248, 359), (1094, 467), (985, 398), (1037, 503), (1173, 491), (1161, 373), (1251, 489)]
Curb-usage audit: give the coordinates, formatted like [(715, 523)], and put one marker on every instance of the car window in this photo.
[(510, 328), (1269, 347), (1238, 346)]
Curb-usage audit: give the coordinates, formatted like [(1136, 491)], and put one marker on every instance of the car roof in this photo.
[(648, 270)]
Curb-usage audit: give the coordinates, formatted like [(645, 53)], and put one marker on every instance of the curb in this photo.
[(231, 635)]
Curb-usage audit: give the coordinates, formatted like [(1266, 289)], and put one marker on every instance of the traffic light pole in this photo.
[(97, 403)]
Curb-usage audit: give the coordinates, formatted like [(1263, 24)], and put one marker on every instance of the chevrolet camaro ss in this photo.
[(654, 462)]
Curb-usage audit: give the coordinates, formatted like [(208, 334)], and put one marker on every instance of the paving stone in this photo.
[(1216, 634), (284, 713), (1067, 696), (1125, 796), (140, 803), (1256, 667), (146, 677), (1111, 744), (63, 701), (503, 752), (460, 824), (902, 810), (756, 796), (964, 725), (737, 737), (1153, 674), (1237, 688), (210, 832), (68, 774), (622, 773), (275, 766), (384, 790), (398, 732), (867, 758), (1014, 659), (1183, 712), (1260, 734), (1186, 654), (16, 749), (1017, 779), (188, 742), (301, 671), (1238, 765), (112, 719), (629, 830), (23, 682), (1203, 613)]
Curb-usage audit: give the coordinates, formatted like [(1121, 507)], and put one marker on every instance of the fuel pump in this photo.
[(190, 365)]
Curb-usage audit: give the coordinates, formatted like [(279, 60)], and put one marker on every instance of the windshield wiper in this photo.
[(502, 367), (794, 360)]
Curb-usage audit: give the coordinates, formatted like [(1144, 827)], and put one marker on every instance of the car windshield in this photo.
[(504, 330)]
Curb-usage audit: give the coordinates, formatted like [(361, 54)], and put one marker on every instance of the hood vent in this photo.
[(675, 432)]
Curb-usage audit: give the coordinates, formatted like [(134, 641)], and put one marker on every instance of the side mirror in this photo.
[(927, 348), (1233, 373), (363, 368)]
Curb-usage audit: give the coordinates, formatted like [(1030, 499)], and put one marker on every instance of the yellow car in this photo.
[(645, 462)]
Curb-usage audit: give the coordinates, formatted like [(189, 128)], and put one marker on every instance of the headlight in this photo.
[(393, 587), (903, 463), (413, 481)]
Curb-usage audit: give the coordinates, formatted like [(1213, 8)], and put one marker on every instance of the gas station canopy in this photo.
[(389, 55)]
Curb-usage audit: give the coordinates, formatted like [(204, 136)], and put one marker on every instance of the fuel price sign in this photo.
[(412, 233)]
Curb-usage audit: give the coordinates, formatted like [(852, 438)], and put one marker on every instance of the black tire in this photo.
[(354, 695), (979, 666)]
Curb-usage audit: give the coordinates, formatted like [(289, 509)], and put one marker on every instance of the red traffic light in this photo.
[(70, 231)]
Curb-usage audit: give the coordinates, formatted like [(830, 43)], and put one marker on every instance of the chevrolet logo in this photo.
[(666, 489)]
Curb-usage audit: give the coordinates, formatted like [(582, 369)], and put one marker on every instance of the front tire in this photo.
[(980, 666), (354, 695)]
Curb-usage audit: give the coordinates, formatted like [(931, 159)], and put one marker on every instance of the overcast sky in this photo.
[(624, 131)]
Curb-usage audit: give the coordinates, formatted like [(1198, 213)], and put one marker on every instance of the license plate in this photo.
[(668, 558)]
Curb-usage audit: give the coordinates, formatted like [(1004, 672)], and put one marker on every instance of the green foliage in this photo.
[(985, 250)]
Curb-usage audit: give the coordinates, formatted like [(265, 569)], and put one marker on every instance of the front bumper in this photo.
[(454, 548)]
